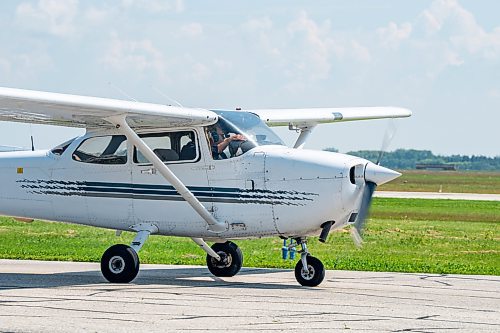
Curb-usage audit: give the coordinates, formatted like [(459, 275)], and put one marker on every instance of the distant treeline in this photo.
[(408, 159)]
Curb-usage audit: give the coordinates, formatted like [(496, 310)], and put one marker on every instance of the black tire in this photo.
[(232, 259), (120, 264), (315, 275)]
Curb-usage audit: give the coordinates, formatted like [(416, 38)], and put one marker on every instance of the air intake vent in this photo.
[(351, 175), (353, 217)]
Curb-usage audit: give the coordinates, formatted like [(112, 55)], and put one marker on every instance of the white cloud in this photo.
[(192, 29), (302, 50), (464, 32), (258, 24), (393, 35), (452, 58), (223, 65), (360, 52), (138, 55), (312, 57), (494, 93), (96, 15), (53, 16), (5, 65), (432, 24), (262, 30), (200, 72), (34, 61), (24, 66), (318, 46), (155, 6)]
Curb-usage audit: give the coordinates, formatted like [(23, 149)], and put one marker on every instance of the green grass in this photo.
[(436, 210), (403, 235), (446, 181)]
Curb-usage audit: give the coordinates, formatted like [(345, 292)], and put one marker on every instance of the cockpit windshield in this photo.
[(251, 126), (237, 132), (59, 150)]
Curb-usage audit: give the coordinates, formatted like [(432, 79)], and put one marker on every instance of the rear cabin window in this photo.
[(169, 146), (111, 149)]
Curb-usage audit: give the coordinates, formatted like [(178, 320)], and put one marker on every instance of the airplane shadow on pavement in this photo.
[(182, 277)]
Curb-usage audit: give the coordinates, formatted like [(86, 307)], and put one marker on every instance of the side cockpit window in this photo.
[(110, 149), (169, 146)]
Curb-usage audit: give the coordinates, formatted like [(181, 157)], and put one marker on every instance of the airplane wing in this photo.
[(81, 111), (314, 116)]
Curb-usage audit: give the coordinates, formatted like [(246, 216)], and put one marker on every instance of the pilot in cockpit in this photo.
[(222, 141)]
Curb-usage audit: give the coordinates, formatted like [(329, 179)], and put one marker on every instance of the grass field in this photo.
[(446, 181), (403, 235)]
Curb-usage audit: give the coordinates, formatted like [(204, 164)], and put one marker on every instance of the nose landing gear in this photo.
[(309, 270)]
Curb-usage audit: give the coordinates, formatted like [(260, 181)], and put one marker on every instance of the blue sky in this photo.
[(440, 58)]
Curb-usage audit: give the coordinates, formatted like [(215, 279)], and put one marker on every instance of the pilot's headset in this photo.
[(213, 131), (214, 134)]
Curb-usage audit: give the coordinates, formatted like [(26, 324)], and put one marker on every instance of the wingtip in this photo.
[(408, 112)]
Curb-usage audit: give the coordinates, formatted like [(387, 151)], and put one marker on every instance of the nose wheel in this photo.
[(309, 271), (314, 274)]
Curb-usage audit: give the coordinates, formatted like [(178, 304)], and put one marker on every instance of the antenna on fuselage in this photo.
[(121, 91), (32, 141), (166, 96)]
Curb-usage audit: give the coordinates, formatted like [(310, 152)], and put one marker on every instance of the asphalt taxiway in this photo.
[(437, 195), (38, 296)]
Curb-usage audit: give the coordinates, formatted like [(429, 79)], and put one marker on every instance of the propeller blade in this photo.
[(389, 134), (359, 225)]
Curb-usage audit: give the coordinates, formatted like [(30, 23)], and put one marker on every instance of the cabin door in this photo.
[(155, 200)]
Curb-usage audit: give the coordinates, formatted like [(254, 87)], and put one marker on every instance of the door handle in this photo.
[(150, 171)]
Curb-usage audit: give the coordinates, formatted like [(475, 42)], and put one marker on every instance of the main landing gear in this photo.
[(120, 263), (223, 259), (230, 262)]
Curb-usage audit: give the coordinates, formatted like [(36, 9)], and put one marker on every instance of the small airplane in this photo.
[(210, 175)]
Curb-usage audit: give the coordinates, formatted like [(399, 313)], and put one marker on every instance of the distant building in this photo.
[(436, 166)]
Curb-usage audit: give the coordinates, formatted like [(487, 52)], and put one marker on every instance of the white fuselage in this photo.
[(269, 190)]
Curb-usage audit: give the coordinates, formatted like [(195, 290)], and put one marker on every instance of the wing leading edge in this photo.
[(81, 111), (314, 116)]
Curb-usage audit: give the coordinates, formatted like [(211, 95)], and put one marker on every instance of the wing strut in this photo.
[(305, 131), (212, 224)]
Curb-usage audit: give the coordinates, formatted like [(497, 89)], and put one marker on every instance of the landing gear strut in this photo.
[(309, 271)]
